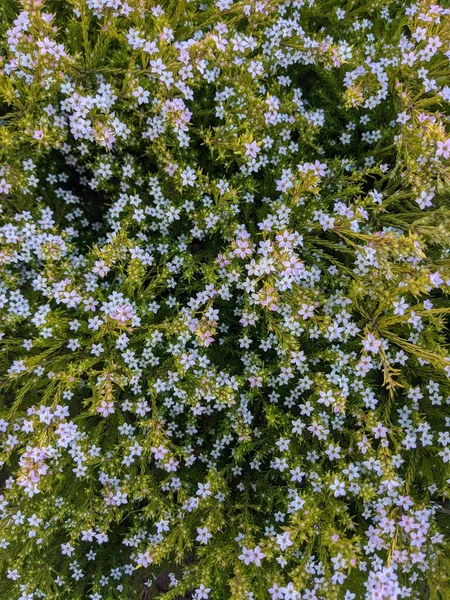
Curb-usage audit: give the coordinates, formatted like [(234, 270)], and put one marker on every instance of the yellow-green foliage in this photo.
[(224, 280)]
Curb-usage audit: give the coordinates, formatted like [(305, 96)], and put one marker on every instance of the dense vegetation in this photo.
[(224, 289)]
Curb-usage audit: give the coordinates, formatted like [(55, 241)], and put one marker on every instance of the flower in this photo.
[(371, 344), (252, 149), (203, 535), (443, 148), (106, 408), (254, 555)]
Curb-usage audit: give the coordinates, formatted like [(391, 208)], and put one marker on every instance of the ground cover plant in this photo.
[(224, 299)]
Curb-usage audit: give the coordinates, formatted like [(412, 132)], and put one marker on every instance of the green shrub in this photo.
[(224, 251)]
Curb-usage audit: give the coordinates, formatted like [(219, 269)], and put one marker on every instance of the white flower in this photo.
[(371, 344), (141, 95), (284, 540), (338, 487), (203, 535)]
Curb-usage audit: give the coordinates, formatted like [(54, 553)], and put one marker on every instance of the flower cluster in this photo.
[(224, 286)]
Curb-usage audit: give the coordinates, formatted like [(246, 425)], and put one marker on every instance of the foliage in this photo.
[(224, 250)]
